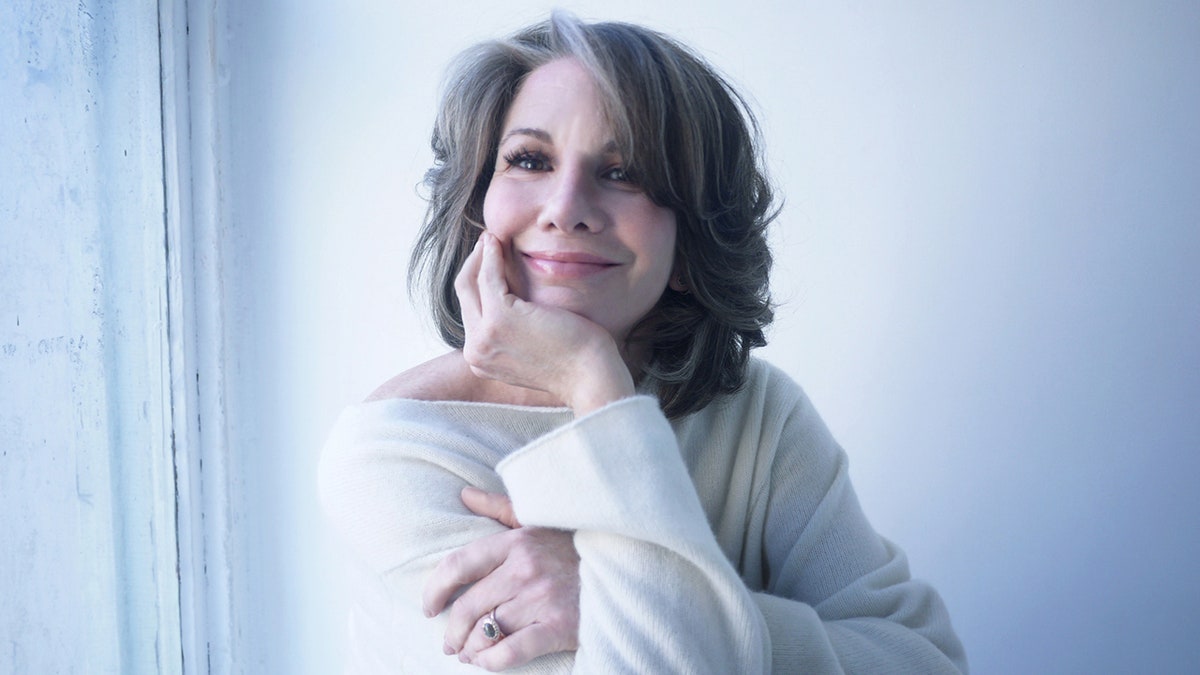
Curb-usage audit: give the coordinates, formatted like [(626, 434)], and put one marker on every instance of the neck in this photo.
[(494, 391)]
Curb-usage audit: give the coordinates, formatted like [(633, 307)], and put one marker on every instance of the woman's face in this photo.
[(577, 233)]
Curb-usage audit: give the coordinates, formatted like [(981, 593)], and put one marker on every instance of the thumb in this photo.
[(490, 505)]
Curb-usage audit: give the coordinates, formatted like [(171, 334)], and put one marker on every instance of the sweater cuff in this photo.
[(599, 468)]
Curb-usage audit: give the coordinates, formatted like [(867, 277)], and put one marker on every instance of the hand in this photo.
[(529, 575), (533, 346)]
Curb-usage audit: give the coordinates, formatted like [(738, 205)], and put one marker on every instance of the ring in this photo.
[(491, 627)]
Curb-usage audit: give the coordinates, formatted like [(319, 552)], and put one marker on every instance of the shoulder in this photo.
[(768, 402), (445, 378), (770, 388)]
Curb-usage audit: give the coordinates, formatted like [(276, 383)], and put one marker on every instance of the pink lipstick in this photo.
[(568, 264)]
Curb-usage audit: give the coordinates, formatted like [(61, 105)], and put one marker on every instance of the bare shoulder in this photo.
[(445, 378)]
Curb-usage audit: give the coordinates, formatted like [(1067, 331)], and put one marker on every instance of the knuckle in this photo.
[(458, 569), (471, 353), (524, 575), (479, 348), (546, 589), (464, 282), (458, 628), (525, 562), (475, 359), (452, 564)]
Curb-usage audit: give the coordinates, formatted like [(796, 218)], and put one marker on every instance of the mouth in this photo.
[(568, 264)]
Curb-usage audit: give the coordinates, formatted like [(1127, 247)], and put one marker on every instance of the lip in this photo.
[(568, 264)]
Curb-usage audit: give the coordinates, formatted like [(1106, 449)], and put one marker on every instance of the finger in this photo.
[(516, 649), (466, 283), (464, 621), (492, 286), (464, 566), (492, 505), (477, 640)]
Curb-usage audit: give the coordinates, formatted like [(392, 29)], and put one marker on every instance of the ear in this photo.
[(677, 282)]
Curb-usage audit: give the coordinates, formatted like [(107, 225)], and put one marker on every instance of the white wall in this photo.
[(88, 573)]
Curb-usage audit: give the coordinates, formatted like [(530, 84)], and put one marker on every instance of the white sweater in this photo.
[(729, 541)]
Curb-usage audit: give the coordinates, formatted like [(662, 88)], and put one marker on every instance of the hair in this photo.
[(691, 142)]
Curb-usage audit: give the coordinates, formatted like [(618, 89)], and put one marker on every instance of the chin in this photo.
[(569, 301), (562, 298)]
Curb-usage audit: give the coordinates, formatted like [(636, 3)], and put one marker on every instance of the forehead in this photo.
[(558, 97)]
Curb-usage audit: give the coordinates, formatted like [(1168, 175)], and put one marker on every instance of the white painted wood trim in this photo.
[(192, 34)]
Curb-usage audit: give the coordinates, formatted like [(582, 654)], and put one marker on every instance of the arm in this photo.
[(836, 597), (390, 480), (657, 593), (394, 495), (579, 364)]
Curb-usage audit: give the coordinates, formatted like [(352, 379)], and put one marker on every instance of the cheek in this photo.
[(662, 242), (500, 219), (500, 209), (490, 206)]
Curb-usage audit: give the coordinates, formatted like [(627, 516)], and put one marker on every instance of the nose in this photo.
[(573, 203)]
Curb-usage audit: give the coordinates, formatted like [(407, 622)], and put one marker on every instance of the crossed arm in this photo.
[(644, 564), (533, 572)]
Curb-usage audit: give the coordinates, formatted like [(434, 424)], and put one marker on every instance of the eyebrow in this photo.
[(545, 137), (526, 131)]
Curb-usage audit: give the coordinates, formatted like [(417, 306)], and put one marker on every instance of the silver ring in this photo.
[(491, 627)]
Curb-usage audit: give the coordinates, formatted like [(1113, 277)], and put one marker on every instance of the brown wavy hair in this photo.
[(691, 142)]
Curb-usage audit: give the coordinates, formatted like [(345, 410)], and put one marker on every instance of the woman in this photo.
[(596, 251)]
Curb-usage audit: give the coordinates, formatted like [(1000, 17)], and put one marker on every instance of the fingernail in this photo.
[(472, 489), (462, 656), (447, 649), (428, 612)]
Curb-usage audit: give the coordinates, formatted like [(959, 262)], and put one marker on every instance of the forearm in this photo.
[(839, 597), (394, 502), (913, 636), (657, 593)]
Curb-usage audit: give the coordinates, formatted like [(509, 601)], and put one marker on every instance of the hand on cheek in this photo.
[(533, 346)]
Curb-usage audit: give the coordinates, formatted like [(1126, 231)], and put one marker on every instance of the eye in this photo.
[(527, 160), (619, 175)]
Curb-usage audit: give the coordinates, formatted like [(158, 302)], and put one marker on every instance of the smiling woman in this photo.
[(578, 233), (598, 477)]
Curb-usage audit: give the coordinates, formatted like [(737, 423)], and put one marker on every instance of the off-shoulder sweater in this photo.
[(728, 541)]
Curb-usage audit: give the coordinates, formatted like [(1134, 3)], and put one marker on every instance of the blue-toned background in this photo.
[(988, 267)]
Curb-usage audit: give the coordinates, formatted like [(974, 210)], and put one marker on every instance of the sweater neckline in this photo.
[(467, 405)]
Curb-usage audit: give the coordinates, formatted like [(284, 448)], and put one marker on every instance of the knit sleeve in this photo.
[(657, 593), (389, 479), (838, 597)]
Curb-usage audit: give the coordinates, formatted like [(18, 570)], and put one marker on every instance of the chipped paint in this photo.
[(84, 464)]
